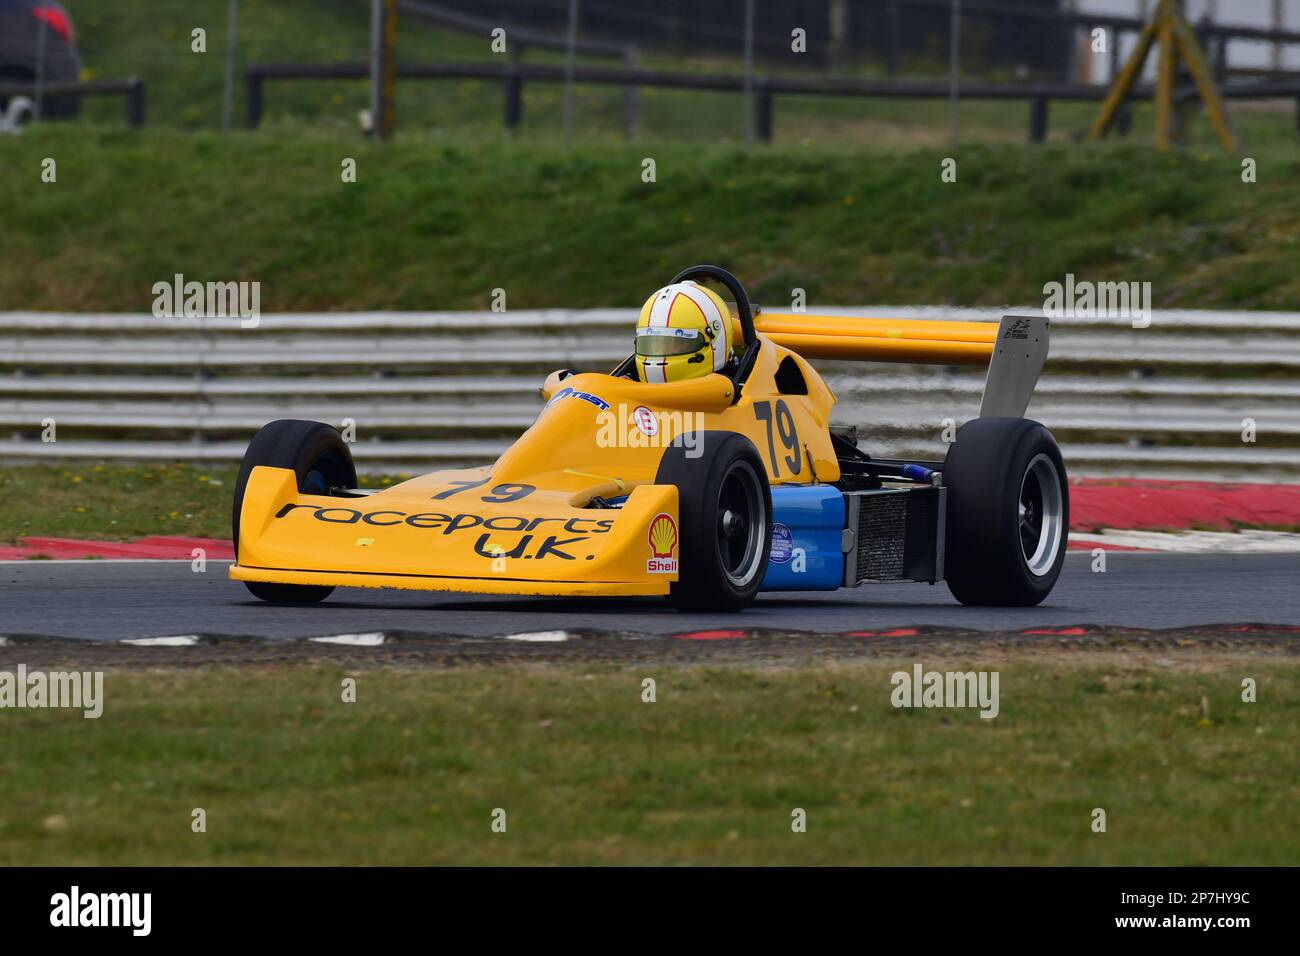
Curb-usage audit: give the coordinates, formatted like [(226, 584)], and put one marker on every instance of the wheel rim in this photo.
[(742, 520), (1041, 518)]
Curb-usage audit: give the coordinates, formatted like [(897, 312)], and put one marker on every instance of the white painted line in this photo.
[(1198, 542), (355, 640), (539, 637), (177, 640)]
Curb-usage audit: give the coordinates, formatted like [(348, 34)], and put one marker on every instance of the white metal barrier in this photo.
[(1183, 396)]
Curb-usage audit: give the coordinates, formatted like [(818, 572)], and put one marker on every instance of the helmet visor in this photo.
[(657, 342)]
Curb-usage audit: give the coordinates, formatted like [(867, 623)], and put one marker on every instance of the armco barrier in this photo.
[(1180, 398)]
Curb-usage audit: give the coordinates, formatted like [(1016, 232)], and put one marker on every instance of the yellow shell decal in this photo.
[(662, 538)]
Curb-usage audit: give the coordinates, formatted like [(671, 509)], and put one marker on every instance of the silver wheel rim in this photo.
[(742, 521), (1041, 518)]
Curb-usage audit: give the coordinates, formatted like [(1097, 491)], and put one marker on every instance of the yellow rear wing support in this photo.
[(880, 340), (1014, 350)]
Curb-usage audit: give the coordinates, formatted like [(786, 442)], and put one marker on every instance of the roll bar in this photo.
[(747, 357)]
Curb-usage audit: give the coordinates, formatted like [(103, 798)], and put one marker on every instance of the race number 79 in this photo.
[(780, 424)]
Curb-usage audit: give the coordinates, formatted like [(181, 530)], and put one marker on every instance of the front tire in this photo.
[(724, 521), (317, 454), (1008, 513)]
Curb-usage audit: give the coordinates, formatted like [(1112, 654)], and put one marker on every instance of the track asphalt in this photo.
[(116, 600)]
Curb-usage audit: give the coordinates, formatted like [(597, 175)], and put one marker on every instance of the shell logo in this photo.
[(662, 538)]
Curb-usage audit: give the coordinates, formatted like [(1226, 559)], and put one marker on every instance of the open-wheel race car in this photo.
[(703, 468)]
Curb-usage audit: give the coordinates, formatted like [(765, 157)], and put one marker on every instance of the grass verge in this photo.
[(114, 501), (708, 774), (439, 222)]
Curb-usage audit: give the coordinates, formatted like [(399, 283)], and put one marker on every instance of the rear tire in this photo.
[(317, 454), (724, 521), (1008, 513)]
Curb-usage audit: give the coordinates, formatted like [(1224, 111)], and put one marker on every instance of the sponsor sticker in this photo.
[(570, 392), (1019, 329), (663, 331), (646, 421), (449, 523), (782, 544), (662, 538)]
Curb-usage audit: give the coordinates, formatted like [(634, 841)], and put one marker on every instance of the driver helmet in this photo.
[(683, 332)]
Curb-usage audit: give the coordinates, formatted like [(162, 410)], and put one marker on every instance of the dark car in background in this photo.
[(20, 32)]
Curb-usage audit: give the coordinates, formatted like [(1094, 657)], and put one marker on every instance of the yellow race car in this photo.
[(706, 486)]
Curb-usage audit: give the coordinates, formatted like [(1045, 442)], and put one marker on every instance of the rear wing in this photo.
[(1013, 350)]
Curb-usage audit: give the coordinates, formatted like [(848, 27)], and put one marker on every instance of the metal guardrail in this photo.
[(1171, 399)]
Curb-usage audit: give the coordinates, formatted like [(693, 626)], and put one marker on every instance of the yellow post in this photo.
[(1165, 76), (1205, 85), (1170, 30), (1119, 90)]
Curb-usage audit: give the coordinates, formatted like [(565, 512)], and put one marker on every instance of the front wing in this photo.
[(404, 537)]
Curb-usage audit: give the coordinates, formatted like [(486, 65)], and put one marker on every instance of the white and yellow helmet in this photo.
[(684, 331)]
